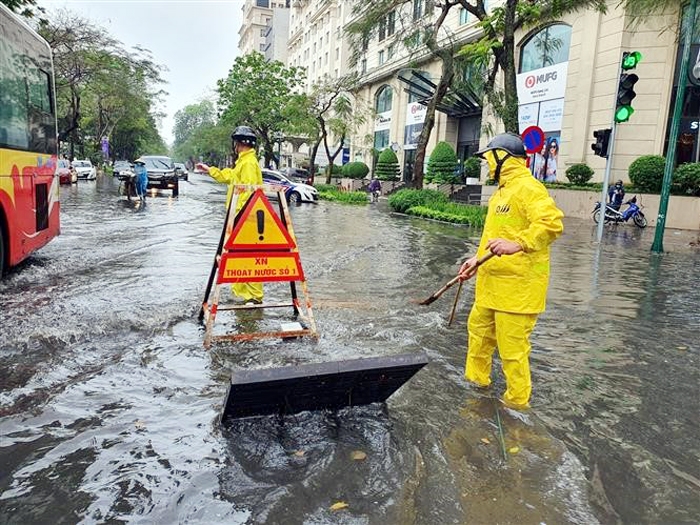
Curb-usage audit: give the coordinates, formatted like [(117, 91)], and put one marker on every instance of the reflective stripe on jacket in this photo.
[(520, 210)]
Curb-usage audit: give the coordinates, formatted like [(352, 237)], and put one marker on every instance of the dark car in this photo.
[(161, 173), (181, 170)]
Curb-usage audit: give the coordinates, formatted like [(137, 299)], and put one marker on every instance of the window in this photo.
[(363, 66), (382, 59), (326, 61), (328, 37), (383, 100), (391, 23), (390, 52), (262, 47), (337, 53), (263, 31), (382, 29), (381, 139), (547, 47), (417, 9), (463, 16)]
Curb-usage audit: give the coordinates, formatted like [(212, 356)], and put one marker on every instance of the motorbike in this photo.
[(616, 216)]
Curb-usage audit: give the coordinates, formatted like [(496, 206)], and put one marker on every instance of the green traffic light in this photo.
[(630, 60), (623, 113)]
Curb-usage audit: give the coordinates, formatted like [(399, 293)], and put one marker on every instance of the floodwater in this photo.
[(109, 403)]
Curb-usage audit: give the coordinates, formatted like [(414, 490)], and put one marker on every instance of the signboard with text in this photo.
[(546, 83), (255, 267)]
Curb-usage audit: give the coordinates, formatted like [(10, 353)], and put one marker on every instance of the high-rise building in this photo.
[(265, 28)]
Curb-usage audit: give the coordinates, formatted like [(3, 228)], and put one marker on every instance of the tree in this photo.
[(442, 164), (98, 82), (26, 8), (192, 117), (424, 36), (387, 167), (255, 93)]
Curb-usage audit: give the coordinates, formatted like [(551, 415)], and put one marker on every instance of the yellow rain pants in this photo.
[(511, 290), (246, 171), (489, 328)]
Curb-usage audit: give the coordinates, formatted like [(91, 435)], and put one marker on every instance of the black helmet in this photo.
[(509, 142), (245, 135)]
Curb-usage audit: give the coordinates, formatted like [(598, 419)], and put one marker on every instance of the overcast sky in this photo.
[(196, 40)]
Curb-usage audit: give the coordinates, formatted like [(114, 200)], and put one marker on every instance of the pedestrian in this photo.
[(245, 171), (522, 221), (141, 179), (616, 194)]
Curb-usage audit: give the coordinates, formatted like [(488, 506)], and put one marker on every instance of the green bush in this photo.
[(387, 167), (442, 165), (647, 173), (687, 177), (472, 168), (402, 200), (452, 212), (355, 170), (329, 192), (579, 174)]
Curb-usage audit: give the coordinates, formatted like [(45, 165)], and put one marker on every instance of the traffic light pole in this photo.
[(606, 179), (658, 245)]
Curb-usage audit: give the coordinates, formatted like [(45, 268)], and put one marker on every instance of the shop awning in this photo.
[(456, 104)]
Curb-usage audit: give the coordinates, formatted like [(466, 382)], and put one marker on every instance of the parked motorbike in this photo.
[(616, 216), (127, 187)]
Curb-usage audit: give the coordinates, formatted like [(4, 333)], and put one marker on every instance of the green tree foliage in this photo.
[(579, 174), (494, 51), (192, 117), (26, 8), (442, 165), (647, 172), (472, 168), (387, 167), (355, 170), (102, 90), (255, 93), (687, 177)]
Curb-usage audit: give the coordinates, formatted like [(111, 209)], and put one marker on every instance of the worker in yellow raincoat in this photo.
[(521, 223), (246, 171)]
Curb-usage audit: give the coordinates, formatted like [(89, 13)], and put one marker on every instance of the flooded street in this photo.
[(109, 403)]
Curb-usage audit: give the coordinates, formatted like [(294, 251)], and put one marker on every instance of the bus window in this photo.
[(14, 128), (41, 120)]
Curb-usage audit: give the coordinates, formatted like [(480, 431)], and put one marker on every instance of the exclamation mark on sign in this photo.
[(261, 223)]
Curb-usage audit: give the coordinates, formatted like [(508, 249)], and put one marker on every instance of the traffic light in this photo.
[(602, 141), (625, 88)]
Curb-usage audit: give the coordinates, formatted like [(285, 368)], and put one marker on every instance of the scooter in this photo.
[(616, 216)]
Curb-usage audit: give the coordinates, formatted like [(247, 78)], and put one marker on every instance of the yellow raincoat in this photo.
[(246, 171), (511, 289)]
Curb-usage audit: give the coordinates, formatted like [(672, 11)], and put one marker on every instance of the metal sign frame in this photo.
[(302, 307)]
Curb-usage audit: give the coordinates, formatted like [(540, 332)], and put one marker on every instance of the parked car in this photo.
[(85, 169), (66, 174), (121, 167), (293, 191), (181, 170), (161, 173), (296, 174)]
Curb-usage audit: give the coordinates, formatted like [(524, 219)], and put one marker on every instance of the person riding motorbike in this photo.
[(616, 194)]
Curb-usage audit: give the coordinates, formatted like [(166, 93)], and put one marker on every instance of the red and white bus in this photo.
[(29, 206)]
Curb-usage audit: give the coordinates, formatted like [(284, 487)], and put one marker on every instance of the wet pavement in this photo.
[(109, 403)]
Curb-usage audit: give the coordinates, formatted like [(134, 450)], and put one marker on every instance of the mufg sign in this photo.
[(546, 83)]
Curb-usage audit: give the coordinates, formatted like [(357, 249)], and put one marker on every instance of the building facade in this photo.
[(264, 28), (568, 72)]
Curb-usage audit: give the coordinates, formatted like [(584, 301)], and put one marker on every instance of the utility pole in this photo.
[(688, 24)]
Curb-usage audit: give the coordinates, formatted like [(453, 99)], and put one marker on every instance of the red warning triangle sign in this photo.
[(258, 227)]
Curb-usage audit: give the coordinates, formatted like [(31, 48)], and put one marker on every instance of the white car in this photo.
[(293, 191), (85, 169)]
